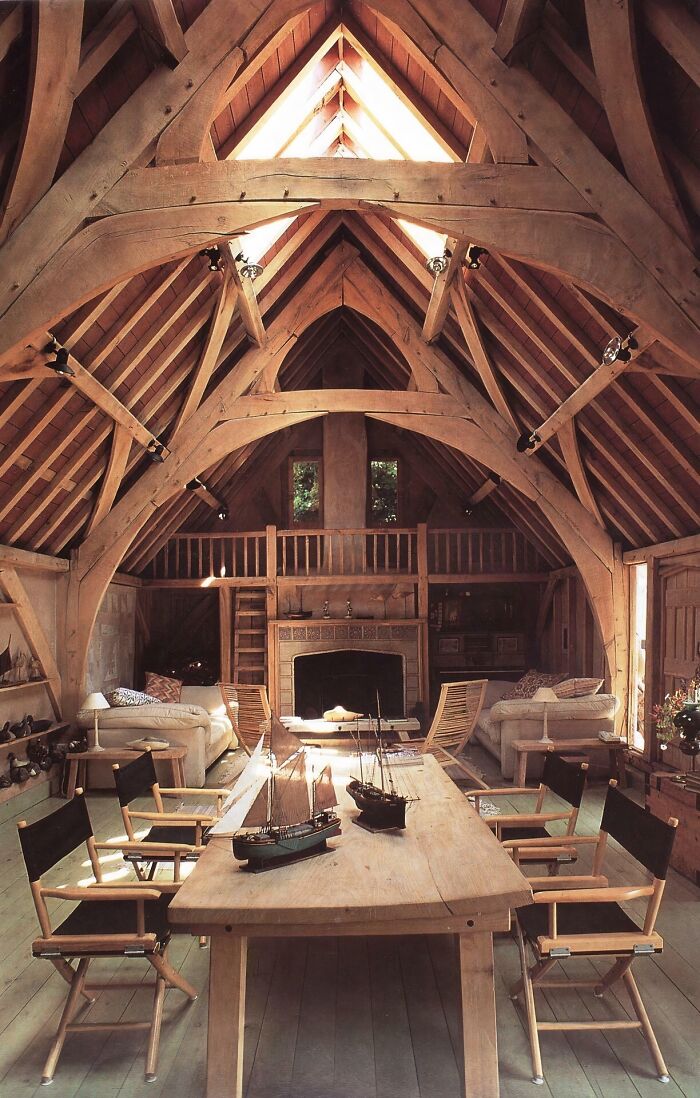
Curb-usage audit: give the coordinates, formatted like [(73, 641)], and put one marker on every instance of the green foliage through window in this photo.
[(384, 491), (306, 493)]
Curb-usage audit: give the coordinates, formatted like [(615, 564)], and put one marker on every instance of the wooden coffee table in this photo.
[(445, 874), (78, 763), (615, 751)]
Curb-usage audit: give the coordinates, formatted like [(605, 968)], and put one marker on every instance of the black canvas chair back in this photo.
[(48, 841), (647, 838), (136, 779), (565, 779)]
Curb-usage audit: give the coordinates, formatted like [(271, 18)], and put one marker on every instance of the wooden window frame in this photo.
[(310, 457)]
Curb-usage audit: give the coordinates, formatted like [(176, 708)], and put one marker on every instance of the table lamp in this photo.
[(545, 694), (95, 702)]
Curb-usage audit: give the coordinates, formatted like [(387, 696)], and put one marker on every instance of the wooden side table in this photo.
[(616, 752), (78, 763), (666, 797)]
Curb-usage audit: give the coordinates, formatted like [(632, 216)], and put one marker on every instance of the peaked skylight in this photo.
[(349, 110)]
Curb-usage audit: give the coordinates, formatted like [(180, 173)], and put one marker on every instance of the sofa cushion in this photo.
[(209, 697), (158, 715), (576, 688), (495, 689), (530, 683), (163, 687), (122, 696), (587, 708)]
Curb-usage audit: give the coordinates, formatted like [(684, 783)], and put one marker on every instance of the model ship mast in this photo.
[(382, 809)]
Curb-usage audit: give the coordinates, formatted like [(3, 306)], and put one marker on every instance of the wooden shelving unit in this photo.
[(17, 602), (16, 745)]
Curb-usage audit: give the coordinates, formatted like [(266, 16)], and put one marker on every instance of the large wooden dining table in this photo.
[(445, 874)]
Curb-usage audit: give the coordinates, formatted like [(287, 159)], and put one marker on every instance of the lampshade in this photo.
[(95, 701), (544, 694)]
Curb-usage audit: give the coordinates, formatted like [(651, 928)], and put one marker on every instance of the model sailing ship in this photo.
[(293, 816), (382, 807)]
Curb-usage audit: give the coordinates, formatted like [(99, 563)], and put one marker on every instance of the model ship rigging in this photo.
[(382, 807), (293, 817)]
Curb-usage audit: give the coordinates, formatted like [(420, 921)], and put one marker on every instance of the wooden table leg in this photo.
[(478, 1015), (521, 769), (227, 979), (72, 776)]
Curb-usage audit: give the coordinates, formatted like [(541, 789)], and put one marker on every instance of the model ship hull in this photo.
[(273, 847), (379, 810)]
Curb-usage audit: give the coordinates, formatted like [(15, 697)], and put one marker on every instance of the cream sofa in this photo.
[(501, 722), (198, 722)]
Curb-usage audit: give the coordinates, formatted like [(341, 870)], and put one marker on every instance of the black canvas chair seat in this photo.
[(117, 917), (524, 833), (584, 918), (157, 834)]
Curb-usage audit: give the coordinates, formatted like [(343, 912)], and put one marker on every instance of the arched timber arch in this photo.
[(227, 420)]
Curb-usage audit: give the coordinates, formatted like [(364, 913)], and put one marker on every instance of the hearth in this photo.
[(350, 678)]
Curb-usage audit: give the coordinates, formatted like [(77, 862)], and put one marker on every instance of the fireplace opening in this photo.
[(349, 678)]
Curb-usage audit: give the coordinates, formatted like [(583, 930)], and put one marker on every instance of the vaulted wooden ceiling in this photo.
[(158, 341)]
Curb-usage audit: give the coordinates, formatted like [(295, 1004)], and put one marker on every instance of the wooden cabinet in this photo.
[(470, 651), (665, 798)]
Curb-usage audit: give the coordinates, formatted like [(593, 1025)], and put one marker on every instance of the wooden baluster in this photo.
[(306, 552), (211, 557), (481, 550), (328, 553), (296, 554), (341, 542), (374, 553), (409, 554), (257, 556), (284, 554)]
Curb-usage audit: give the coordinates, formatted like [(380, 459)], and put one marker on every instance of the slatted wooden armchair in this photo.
[(454, 722), (110, 920), (252, 710), (588, 921), (567, 782), (186, 828)]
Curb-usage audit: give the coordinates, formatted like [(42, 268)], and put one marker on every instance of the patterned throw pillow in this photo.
[(530, 683), (163, 688), (123, 696), (576, 688)]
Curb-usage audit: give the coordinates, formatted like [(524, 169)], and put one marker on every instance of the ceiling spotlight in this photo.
[(474, 254), (216, 260), (156, 451), (193, 485), (251, 270), (222, 512), (527, 442), (60, 363), (619, 349), (437, 264)]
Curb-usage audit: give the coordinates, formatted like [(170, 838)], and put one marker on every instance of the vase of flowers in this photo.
[(664, 714)]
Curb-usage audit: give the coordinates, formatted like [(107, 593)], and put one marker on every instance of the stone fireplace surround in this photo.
[(292, 639)]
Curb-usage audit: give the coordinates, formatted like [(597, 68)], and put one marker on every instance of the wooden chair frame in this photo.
[(554, 947), (453, 725), (161, 818), (253, 709), (553, 853), (62, 950)]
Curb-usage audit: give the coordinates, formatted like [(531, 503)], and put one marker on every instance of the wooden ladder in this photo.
[(250, 636)]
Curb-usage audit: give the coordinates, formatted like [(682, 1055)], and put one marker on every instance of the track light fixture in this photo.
[(156, 451), (527, 441), (60, 364), (248, 269), (194, 484), (222, 512), (216, 260), (619, 349), (437, 264), (474, 254)]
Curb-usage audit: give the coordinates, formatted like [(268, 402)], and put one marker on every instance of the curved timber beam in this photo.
[(464, 419)]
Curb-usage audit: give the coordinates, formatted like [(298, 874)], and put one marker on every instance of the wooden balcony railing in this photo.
[(316, 554)]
